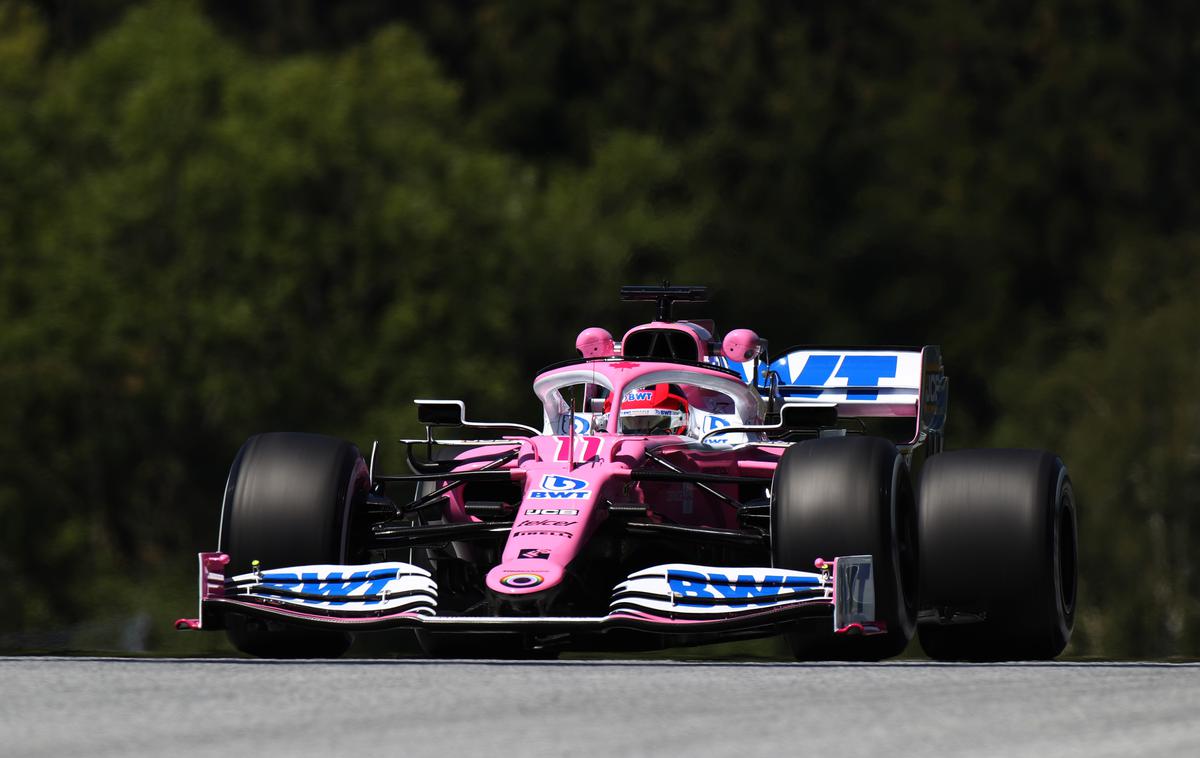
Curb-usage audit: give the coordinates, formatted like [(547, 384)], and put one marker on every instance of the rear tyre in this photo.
[(849, 496), (998, 537), (287, 503)]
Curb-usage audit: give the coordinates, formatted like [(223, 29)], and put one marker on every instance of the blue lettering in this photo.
[(378, 580), (747, 587), (866, 371), (280, 581), (817, 370), (333, 586), (548, 495), (689, 584), (715, 422)]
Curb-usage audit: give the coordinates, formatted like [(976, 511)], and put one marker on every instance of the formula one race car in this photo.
[(683, 489)]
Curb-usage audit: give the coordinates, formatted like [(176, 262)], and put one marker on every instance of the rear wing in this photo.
[(867, 383)]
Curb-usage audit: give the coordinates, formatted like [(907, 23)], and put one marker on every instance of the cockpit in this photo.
[(647, 399)]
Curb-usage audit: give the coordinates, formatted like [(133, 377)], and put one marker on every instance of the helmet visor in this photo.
[(651, 421)]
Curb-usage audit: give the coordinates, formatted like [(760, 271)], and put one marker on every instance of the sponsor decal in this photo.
[(857, 370), (544, 533), (639, 395), (332, 586), (551, 512), (558, 487), (522, 580), (534, 552), (546, 522), (754, 590), (716, 422)]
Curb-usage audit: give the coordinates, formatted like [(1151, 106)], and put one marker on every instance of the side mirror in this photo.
[(441, 412), (741, 345), (433, 413), (792, 416)]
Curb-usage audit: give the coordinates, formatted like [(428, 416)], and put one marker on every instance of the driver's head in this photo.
[(657, 409)]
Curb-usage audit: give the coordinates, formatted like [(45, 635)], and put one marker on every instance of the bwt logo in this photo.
[(716, 422), (562, 483), (639, 395), (557, 487), (755, 591), (333, 586)]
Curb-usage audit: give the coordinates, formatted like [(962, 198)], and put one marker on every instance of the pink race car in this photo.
[(682, 489)]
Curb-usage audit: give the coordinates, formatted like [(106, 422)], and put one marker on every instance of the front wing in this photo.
[(671, 598)]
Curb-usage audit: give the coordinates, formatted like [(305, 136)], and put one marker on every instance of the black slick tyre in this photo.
[(849, 496), (287, 503), (998, 537)]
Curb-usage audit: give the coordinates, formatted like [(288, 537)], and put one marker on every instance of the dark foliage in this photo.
[(219, 218)]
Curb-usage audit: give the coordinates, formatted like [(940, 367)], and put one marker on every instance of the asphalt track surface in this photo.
[(209, 707)]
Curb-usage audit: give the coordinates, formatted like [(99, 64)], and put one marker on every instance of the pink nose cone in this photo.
[(741, 345), (595, 342)]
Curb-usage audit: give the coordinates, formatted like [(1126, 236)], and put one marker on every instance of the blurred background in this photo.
[(220, 218)]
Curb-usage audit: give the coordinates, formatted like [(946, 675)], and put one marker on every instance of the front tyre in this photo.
[(999, 556), (288, 503), (840, 496)]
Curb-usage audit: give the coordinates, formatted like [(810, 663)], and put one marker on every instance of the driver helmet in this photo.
[(657, 409)]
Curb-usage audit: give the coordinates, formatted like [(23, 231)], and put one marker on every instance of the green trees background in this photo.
[(223, 218)]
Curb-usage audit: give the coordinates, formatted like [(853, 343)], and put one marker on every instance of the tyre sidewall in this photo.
[(288, 501), (851, 496), (998, 530), (302, 517)]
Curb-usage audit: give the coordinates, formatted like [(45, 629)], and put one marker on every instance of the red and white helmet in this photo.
[(658, 409)]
